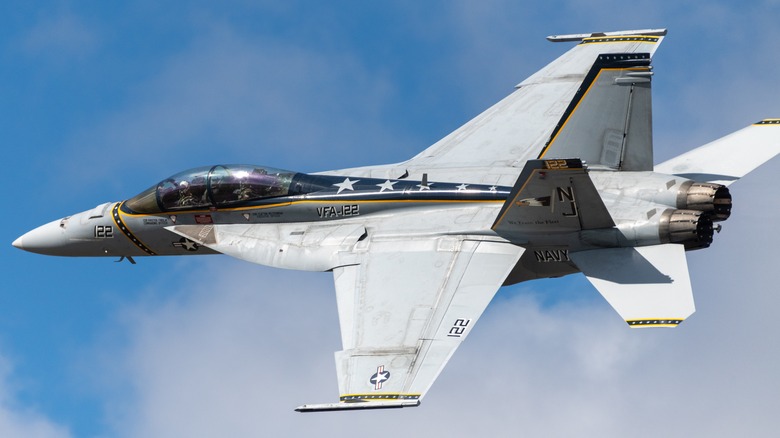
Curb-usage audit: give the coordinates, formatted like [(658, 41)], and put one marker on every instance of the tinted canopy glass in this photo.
[(215, 186)]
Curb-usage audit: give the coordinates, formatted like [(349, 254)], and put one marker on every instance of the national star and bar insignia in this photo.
[(379, 377), (186, 244)]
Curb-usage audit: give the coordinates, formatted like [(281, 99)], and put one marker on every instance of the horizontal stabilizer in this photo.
[(356, 406), (729, 158), (648, 286)]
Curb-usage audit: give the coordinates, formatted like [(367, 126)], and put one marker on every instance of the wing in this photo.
[(648, 286), (493, 147), (404, 309), (729, 158), (405, 301)]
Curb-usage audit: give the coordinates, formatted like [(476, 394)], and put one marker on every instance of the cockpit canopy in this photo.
[(214, 186)]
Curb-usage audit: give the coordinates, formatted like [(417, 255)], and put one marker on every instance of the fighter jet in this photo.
[(557, 178)]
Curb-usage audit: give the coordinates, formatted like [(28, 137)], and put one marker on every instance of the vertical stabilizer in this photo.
[(552, 196)]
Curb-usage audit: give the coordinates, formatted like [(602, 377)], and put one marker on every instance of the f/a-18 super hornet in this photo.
[(555, 179)]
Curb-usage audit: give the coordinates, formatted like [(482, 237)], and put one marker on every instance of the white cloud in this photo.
[(17, 420), (234, 349), (61, 37)]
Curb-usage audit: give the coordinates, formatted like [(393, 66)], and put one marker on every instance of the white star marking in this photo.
[(493, 188), (425, 187), (462, 187), (387, 185), (346, 185), (189, 245)]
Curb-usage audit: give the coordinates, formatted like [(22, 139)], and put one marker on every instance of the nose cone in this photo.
[(47, 239)]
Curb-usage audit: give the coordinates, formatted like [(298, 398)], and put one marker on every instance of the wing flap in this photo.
[(648, 286)]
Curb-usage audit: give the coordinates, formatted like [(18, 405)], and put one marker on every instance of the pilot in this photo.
[(247, 185), (185, 195), (244, 191), (264, 181)]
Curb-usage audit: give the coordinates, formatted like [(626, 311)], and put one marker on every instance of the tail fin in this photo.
[(552, 196), (609, 121), (729, 158)]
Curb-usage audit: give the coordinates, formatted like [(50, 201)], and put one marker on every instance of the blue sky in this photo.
[(101, 101)]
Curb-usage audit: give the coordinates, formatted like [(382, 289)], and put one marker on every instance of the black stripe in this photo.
[(359, 397), (612, 60), (126, 231), (651, 322), (635, 38)]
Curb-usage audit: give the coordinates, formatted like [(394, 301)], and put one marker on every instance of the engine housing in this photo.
[(712, 199), (691, 228)]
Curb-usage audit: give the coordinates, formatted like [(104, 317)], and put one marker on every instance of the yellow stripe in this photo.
[(651, 39), (312, 201), (382, 396), (547, 148), (516, 196), (498, 221), (669, 324), (118, 207)]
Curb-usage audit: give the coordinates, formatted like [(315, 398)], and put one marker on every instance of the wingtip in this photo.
[(653, 323), (357, 406), (582, 36)]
